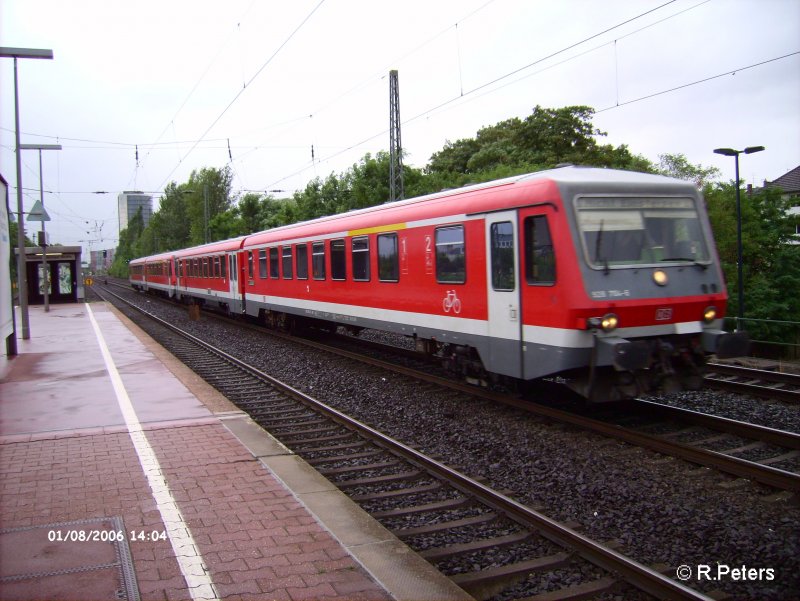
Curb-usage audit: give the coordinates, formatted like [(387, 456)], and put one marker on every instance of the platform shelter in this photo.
[(65, 277)]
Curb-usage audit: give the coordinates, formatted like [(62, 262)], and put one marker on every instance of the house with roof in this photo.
[(789, 183)]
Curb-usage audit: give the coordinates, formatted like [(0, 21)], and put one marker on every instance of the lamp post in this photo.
[(22, 280), (730, 152), (43, 217)]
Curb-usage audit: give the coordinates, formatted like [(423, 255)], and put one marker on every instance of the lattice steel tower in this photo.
[(395, 146)]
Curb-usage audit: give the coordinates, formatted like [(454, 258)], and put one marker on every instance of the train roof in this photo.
[(152, 258), (220, 246), (211, 248), (471, 199), (468, 199)]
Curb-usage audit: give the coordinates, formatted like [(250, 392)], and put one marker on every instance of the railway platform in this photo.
[(125, 476)]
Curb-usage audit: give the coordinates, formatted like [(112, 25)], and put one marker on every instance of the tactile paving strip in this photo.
[(82, 559)]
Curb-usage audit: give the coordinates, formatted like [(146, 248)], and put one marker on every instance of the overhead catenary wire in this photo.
[(240, 92), (699, 81), (195, 143), (463, 94), (183, 104), (486, 88)]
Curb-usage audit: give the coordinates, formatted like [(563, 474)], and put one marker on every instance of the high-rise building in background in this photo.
[(100, 260), (129, 203)]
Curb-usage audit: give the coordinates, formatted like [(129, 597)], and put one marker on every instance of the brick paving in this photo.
[(256, 538), (65, 455), (53, 479)]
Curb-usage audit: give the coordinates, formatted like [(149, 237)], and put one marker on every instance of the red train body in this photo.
[(606, 278)]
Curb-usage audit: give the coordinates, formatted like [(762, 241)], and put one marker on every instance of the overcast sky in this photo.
[(184, 80)]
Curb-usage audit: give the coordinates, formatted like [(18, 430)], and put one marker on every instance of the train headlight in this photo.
[(660, 277), (710, 314), (607, 323)]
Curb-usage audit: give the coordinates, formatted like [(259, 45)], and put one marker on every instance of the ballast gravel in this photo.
[(727, 535)]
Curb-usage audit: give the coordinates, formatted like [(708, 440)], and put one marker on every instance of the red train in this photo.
[(609, 279)]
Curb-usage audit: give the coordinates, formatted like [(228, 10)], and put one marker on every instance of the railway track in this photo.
[(757, 382), (485, 541), (699, 438), (734, 447)]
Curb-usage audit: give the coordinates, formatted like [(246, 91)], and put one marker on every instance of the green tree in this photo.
[(252, 213), (311, 203), (277, 212), (171, 218), (677, 165), (208, 193), (542, 140), (770, 263), (127, 248), (13, 232), (228, 224)]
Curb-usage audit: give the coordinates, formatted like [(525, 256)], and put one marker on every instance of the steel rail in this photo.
[(756, 374), (781, 438), (753, 387), (768, 392), (633, 572), (741, 468)]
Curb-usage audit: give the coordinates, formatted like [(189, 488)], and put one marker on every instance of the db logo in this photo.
[(664, 314)]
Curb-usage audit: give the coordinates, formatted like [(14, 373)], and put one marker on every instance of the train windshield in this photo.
[(622, 232)]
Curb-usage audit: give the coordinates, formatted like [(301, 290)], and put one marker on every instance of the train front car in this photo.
[(654, 293)]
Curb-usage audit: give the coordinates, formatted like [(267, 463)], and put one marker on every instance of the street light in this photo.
[(730, 152), (43, 216), (22, 282)]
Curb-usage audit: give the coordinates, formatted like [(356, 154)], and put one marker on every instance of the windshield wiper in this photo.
[(597, 245)]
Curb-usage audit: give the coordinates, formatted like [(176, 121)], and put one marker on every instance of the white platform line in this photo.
[(190, 561)]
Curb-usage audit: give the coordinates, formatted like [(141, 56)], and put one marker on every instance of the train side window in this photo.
[(205, 267), (250, 265), (451, 264), (301, 256), (262, 264), (273, 263), (360, 258), (223, 264), (502, 240), (338, 260), (540, 258), (388, 265), (216, 267), (318, 260), (286, 254), (234, 274)]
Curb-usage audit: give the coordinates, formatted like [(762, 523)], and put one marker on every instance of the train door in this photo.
[(173, 276), (233, 284), (542, 303), (503, 289), (182, 285)]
